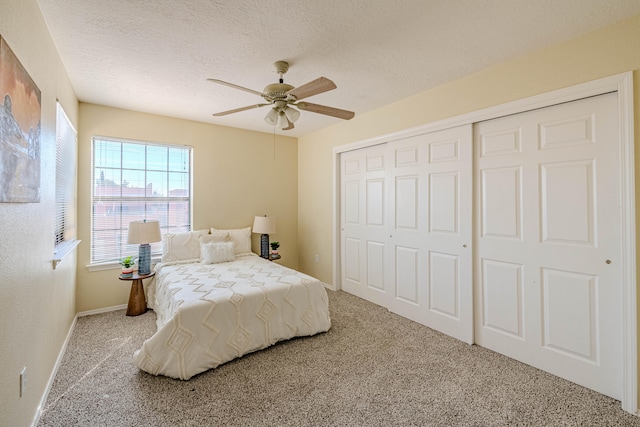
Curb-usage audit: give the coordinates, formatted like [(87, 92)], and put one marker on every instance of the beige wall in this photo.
[(37, 303), (606, 52), (236, 175)]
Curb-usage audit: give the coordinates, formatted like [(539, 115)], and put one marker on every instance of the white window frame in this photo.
[(97, 264)]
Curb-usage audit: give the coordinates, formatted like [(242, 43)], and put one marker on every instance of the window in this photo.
[(133, 181), (65, 210)]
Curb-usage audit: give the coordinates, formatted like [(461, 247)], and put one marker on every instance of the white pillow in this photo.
[(241, 237), (215, 237), (181, 246), (214, 253)]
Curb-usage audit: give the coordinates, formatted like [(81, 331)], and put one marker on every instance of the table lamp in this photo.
[(144, 232), (264, 225)]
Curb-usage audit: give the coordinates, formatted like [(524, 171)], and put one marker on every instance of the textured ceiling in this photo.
[(155, 55)]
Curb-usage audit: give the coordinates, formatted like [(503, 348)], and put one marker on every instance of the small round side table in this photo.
[(137, 303)]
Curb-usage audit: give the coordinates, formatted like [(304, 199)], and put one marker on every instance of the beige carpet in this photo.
[(372, 368)]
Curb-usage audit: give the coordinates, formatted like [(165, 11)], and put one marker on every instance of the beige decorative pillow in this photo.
[(214, 253), (216, 237), (241, 237), (183, 246)]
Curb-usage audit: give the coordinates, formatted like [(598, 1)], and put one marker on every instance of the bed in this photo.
[(214, 308)]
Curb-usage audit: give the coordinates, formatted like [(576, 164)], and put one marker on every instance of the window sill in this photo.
[(114, 265), (62, 250)]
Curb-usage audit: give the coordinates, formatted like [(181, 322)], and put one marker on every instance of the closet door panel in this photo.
[(407, 202), (548, 240), (406, 282), (448, 238), (352, 167), (375, 202), (363, 223), (445, 287), (443, 202), (406, 228), (566, 184), (432, 217), (501, 203), (352, 260), (502, 294), (375, 265)]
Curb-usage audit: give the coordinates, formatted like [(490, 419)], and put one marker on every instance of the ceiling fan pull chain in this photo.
[(274, 143)]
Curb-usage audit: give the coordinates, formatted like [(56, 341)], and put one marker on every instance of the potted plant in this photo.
[(127, 264), (274, 247)]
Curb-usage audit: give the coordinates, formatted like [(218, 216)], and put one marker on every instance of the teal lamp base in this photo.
[(144, 259)]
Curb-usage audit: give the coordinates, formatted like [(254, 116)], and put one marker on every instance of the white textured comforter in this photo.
[(210, 314)]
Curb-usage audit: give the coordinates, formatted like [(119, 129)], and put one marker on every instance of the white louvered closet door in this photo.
[(548, 257)]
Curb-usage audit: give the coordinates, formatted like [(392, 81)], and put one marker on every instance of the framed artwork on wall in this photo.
[(19, 131)]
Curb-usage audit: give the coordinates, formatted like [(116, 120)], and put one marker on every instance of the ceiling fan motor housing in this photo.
[(276, 91)]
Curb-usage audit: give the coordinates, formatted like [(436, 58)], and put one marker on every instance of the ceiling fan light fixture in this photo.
[(282, 120), (281, 96), (272, 117), (292, 114)]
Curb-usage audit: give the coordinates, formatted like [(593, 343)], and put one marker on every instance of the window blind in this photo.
[(66, 160), (132, 181)]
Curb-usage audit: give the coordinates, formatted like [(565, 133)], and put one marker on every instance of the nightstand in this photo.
[(137, 303)]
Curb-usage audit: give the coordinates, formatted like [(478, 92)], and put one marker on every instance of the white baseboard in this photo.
[(43, 401), (38, 414), (101, 310)]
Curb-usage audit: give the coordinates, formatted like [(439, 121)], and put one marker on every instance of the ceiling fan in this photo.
[(284, 97)]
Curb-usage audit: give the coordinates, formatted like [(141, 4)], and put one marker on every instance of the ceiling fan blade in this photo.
[(328, 111), (255, 92), (237, 110), (291, 126), (319, 85)]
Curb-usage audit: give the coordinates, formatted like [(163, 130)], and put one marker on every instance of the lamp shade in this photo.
[(264, 225), (143, 232)]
